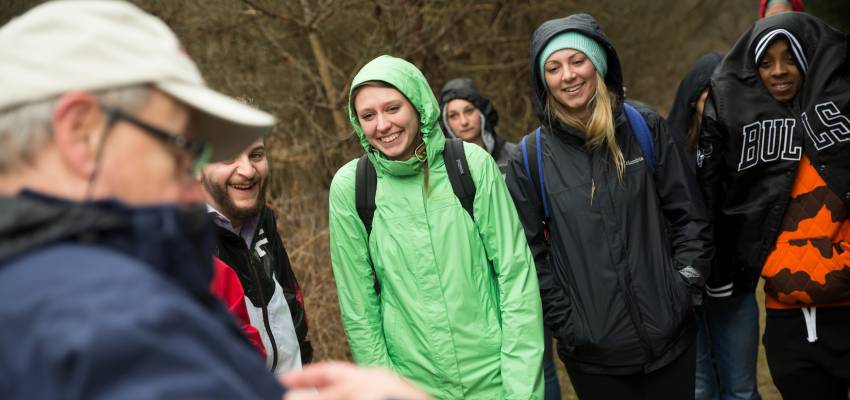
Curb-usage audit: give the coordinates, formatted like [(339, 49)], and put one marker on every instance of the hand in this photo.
[(344, 381)]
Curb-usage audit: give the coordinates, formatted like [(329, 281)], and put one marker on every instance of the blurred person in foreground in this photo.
[(248, 242), (774, 163), (344, 381), (105, 246)]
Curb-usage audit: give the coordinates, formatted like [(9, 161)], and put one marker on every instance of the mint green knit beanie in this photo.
[(577, 41)]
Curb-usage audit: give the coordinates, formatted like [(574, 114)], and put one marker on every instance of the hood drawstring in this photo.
[(421, 154), (811, 326)]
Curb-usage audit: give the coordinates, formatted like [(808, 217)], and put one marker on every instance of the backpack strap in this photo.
[(366, 182), (642, 134), (365, 186), (459, 176), (534, 168)]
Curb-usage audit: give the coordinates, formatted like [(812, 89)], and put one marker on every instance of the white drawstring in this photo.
[(811, 327)]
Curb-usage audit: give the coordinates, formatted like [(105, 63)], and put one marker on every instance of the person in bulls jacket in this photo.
[(774, 164)]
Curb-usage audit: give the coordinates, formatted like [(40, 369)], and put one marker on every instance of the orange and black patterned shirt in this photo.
[(810, 264)]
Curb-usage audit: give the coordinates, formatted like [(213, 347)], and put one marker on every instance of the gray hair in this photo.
[(27, 128)]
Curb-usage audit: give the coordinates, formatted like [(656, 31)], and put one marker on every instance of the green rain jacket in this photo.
[(459, 311)]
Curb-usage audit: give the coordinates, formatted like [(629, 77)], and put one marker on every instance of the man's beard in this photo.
[(228, 207)]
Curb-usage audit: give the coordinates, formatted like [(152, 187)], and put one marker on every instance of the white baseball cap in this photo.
[(90, 45)]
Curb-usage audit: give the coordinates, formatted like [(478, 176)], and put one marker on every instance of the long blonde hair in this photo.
[(599, 128)]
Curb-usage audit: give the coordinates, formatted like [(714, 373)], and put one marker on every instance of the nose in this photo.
[(463, 120), (244, 166), (778, 69), (568, 74), (382, 123)]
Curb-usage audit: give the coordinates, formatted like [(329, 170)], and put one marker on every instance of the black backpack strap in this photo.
[(459, 176), (365, 185)]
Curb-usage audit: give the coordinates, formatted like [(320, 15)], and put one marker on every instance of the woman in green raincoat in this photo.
[(459, 308)]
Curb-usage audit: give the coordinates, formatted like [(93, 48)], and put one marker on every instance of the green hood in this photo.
[(405, 77)]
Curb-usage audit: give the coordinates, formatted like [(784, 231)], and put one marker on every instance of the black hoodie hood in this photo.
[(586, 25), (820, 51), (464, 88), (815, 120), (682, 112), (175, 241)]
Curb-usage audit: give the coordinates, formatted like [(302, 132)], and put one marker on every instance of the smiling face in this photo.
[(464, 119), (779, 72), (236, 188), (571, 79), (388, 120)]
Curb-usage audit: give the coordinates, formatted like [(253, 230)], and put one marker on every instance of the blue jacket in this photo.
[(103, 301)]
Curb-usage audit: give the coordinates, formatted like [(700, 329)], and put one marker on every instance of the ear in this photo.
[(78, 126)]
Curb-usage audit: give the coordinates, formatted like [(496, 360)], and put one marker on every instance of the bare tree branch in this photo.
[(273, 15), (324, 71), (296, 62)]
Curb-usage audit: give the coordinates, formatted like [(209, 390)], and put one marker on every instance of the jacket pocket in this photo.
[(680, 299), (572, 335)]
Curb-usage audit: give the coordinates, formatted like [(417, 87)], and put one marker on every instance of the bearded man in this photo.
[(248, 243)]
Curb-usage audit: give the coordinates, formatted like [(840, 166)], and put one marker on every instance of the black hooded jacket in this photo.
[(751, 144), (463, 88), (608, 268), (682, 112)]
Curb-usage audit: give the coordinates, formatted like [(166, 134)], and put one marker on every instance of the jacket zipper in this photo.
[(592, 181), (628, 295), (592, 188), (637, 318), (264, 307)]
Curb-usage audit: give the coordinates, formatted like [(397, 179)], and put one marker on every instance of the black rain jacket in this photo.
[(751, 144), (681, 114), (608, 269)]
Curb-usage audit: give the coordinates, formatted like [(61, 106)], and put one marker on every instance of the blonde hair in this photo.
[(599, 128)]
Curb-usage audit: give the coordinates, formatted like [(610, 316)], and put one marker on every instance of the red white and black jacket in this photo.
[(751, 145), (226, 287), (274, 302)]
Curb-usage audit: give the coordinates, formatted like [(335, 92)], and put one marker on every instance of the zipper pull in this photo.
[(592, 190)]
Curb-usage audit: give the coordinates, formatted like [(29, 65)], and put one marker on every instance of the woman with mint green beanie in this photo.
[(616, 225), (459, 306)]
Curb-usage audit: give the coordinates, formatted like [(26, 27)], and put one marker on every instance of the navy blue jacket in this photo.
[(103, 301)]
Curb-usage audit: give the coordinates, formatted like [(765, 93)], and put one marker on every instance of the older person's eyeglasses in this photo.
[(199, 151)]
